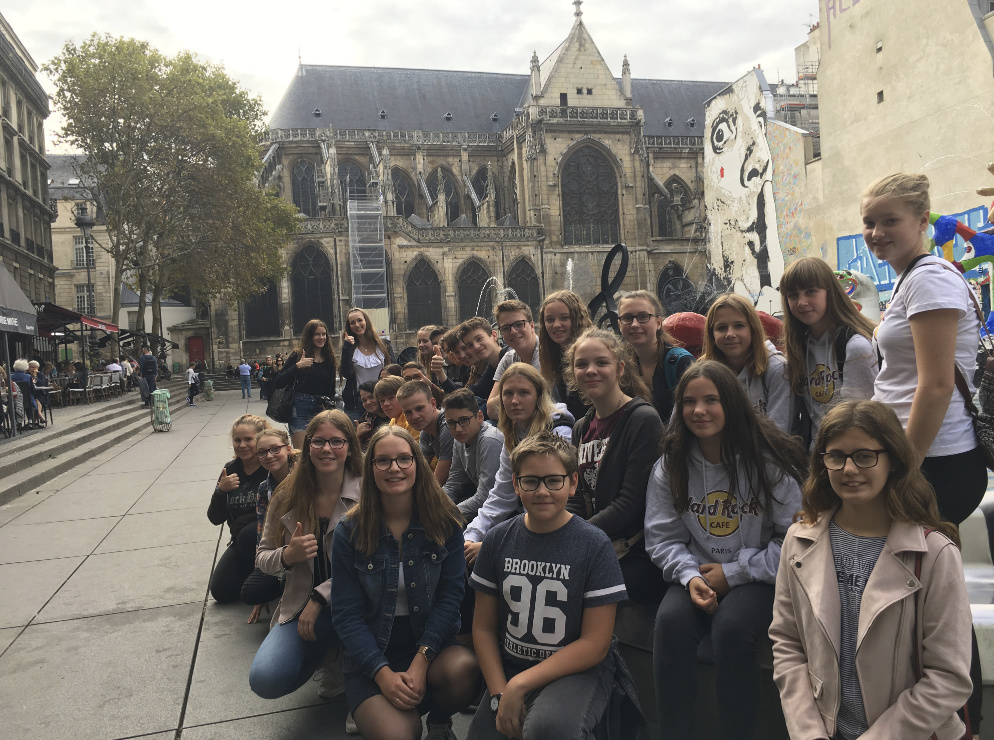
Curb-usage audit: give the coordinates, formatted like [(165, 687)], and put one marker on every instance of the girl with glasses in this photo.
[(234, 503), (659, 359), (310, 370), (872, 566), (272, 447), (617, 441), (561, 319), (296, 546), (829, 356), (734, 336), (398, 580), (719, 503)]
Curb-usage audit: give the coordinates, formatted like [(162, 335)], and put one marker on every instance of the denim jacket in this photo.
[(364, 591)]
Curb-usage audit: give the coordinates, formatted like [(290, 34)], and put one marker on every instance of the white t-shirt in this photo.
[(929, 287), (824, 387), (191, 376), (510, 357)]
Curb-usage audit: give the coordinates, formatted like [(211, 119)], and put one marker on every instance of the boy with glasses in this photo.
[(475, 452), (422, 414), (547, 585), (517, 329)]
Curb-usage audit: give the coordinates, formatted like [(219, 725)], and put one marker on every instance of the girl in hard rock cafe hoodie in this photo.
[(871, 623), (720, 500)]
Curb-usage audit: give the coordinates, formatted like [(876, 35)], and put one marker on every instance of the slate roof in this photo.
[(418, 99), (60, 174), (130, 298)]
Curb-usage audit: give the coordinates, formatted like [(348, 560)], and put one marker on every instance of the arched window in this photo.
[(590, 199), (664, 217), (512, 178), (451, 192), (482, 187), (524, 282), (305, 191), (675, 291), (351, 179), (311, 281), (262, 313), (476, 291), (669, 208), (424, 296), (403, 192)]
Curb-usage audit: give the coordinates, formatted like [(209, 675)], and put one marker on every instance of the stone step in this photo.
[(77, 447)]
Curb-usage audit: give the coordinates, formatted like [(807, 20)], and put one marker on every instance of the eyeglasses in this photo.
[(336, 444), (642, 318), (384, 463), (860, 458), (461, 423), (272, 451), (518, 326), (551, 482)]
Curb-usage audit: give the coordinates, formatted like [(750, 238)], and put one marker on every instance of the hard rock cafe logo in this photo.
[(821, 383), (718, 513)]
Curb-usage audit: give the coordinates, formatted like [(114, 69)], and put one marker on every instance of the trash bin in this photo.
[(161, 419), (208, 390), (175, 367)]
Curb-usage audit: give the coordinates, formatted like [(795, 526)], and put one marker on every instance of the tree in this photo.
[(169, 152)]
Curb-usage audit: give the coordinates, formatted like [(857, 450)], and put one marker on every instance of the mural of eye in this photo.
[(760, 112), (723, 131)]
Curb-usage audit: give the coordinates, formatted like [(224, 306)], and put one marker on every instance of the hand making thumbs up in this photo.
[(305, 362), (227, 482), (438, 365), (302, 547)]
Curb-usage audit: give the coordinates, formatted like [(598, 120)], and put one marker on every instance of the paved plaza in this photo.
[(107, 630)]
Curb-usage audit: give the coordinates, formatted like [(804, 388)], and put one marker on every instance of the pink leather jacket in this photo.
[(300, 578), (806, 636)]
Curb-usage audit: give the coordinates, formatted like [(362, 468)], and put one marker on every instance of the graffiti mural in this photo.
[(743, 246), (787, 154)]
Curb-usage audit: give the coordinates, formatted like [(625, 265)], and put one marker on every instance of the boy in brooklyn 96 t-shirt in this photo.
[(547, 586)]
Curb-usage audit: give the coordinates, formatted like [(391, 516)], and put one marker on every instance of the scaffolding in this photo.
[(367, 251)]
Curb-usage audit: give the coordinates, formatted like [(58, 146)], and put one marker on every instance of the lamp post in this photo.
[(85, 222)]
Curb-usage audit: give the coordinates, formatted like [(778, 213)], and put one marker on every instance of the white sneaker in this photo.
[(350, 725), (332, 680)]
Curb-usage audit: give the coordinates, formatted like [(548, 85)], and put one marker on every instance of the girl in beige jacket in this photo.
[(871, 621)]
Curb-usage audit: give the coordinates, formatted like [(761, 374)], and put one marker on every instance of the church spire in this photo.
[(578, 12)]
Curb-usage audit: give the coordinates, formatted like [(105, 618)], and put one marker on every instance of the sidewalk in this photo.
[(106, 626)]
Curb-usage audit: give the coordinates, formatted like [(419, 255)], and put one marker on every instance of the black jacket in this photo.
[(623, 476)]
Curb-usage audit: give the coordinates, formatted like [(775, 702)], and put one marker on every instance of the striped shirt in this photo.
[(854, 558)]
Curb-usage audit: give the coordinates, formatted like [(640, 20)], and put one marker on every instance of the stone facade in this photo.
[(26, 213), (527, 185)]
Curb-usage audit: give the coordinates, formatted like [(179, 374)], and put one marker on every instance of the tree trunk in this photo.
[(157, 313)]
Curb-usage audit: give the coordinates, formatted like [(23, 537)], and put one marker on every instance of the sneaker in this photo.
[(332, 678), (441, 732), (350, 726)]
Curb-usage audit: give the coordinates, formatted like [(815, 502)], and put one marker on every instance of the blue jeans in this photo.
[(285, 661), (305, 408), (246, 385)]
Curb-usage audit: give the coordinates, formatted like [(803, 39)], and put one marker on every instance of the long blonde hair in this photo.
[(299, 490), (541, 417), (438, 515)]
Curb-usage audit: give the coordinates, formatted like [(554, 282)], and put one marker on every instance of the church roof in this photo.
[(418, 99)]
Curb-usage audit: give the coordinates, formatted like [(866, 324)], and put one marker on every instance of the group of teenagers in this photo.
[(464, 532)]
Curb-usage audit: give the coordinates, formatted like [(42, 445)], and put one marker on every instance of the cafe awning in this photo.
[(17, 313), (52, 317)]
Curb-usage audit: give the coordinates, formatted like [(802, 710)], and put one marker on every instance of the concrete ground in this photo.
[(107, 630)]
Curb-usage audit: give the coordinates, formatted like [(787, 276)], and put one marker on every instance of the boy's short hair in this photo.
[(415, 365), (513, 305), (451, 338), (412, 387), (393, 369), (545, 443), (388, 386), (369, 386), (477, 322), (437, 332), (463, 399)]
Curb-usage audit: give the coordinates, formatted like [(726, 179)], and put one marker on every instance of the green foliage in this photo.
[(169, 148)]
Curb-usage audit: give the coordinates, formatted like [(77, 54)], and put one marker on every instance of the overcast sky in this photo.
[(258, 43)]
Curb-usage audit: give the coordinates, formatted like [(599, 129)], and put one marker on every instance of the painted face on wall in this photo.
[(738, 189)]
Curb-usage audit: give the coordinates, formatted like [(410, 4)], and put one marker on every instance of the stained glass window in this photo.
[(305, 192), (480, 185), (311, 282), (451, 192), (590, 199), (424, 296), (524, 282), (664, 217), (476, 291), (351, 179), (403, 192), (262, 313)]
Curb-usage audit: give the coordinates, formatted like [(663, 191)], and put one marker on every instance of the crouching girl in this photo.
[(871, 624)]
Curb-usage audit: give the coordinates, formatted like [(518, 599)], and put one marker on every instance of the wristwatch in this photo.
[(495, 702), (427, 653)]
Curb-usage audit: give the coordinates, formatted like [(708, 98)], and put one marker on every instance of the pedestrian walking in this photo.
[(245, 374)]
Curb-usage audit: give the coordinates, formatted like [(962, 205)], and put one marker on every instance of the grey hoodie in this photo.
[(717, 528), (770, 392)]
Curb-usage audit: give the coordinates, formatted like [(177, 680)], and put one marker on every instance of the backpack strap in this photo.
[(670, 362), (841, 342)]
